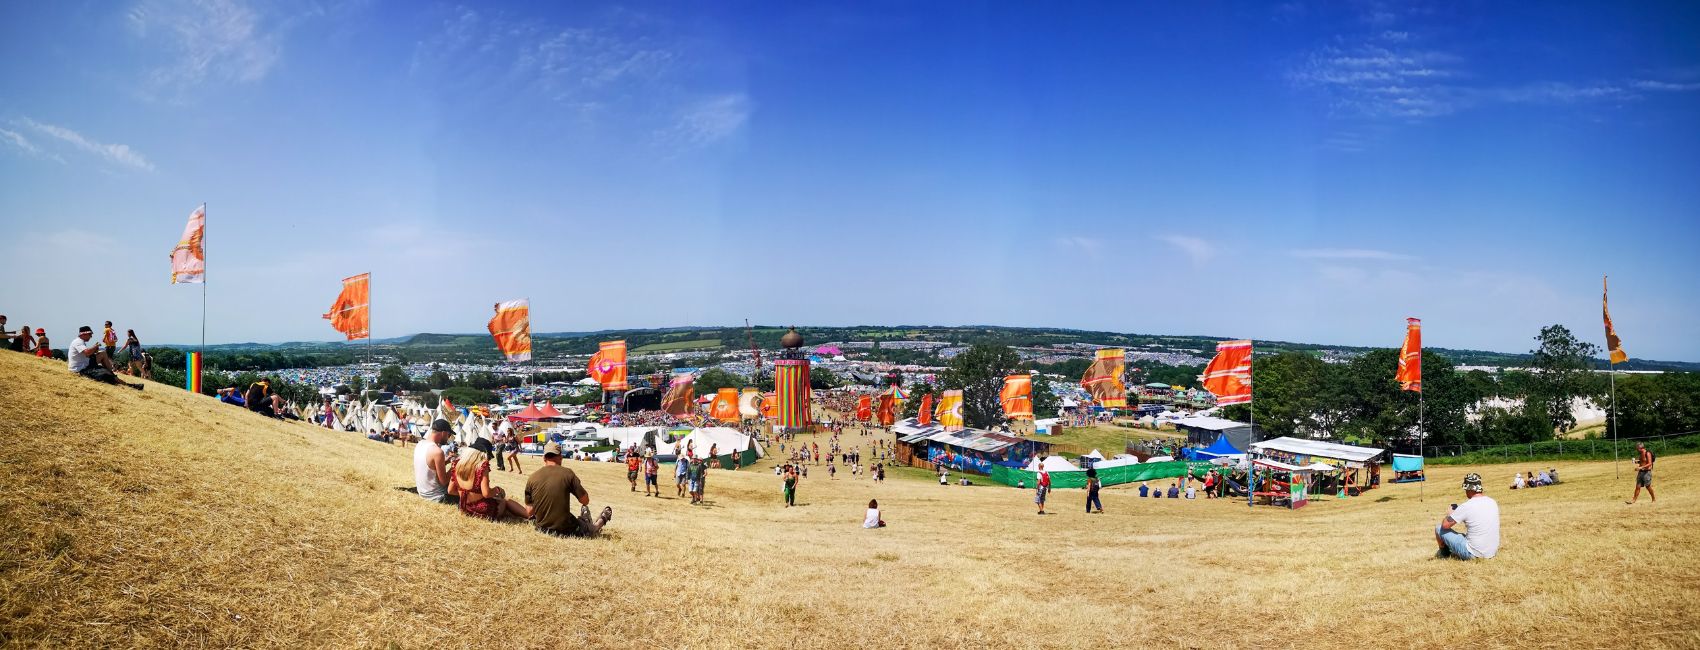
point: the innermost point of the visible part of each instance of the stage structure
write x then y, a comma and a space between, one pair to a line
791, 382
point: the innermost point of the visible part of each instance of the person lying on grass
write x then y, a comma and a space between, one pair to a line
1480, 516
471, 482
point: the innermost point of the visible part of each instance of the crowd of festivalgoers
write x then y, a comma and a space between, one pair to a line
462, 478
86, 356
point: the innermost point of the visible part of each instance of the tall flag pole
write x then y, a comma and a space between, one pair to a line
1410, 377
189, 266
1228, 377
1615, 346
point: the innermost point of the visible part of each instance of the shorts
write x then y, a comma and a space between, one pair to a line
679, 479
1644, 478
695, 486
1039, 495
649, 479
631, 476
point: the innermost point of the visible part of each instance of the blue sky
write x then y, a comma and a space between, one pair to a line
1299, 171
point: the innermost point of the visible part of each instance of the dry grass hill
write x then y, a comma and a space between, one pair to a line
165, 519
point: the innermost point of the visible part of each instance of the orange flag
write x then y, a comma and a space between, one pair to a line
770, 404
351, 314
924, 416
1228, 376
725, 406
950, 410
1103, 379
888, 408
511, 327
1613, 344
1017, 397
608, 365
864, 408
189, 258
1410, 375
680, 396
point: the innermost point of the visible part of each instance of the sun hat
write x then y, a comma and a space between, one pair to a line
1473, 482
552, 448
481, 444
40, 330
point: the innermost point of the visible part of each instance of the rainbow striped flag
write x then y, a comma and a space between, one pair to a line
192, 380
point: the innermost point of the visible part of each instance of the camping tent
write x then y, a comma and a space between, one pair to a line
1217, 449
1053, 464
1407, 468
725, 440
529, 413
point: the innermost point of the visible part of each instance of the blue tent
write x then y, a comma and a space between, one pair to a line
1219, 448
1403, 464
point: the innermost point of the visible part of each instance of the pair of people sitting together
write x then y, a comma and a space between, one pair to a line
1532, 480
549, 492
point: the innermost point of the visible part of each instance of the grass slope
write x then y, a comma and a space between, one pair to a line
166, 519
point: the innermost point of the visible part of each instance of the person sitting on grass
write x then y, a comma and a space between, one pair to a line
873, 520
43, 349
1480, 516
87, 359
1552, 475
1144, 489
1174, 490
471, 481
430, 464
550, 493
1517, 482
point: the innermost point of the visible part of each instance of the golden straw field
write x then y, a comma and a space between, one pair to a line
165, 519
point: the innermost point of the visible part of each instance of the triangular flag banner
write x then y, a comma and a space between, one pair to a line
1017, 397
1613, 344
608, 365
1410, 375
1228, 376
351, 313
950, 410
511, 327
189, 258
1103, 379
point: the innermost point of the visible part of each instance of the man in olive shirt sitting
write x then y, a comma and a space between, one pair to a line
550, 492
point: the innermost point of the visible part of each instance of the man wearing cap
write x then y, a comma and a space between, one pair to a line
87, 359
550, 492
1480, 516
430, 467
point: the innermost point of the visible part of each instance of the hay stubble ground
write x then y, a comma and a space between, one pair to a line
162, 518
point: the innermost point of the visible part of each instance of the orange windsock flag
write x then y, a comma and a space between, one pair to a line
351, 314
725, 406
1017, 397
511, 327
608, 365
864, 408
681, 395
1410, 375
1228, 376
189, 258
888, 408
924, 416
1103, 379
950, 410
1613, 344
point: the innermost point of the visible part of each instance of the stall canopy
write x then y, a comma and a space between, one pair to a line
1319, 449
1218, 449
1053, 464
529, 413
1407, 463
549, 411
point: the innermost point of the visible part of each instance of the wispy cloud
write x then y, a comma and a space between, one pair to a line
710, 120
1350, 254
222, 40
1199, 250
18, 140
120, 154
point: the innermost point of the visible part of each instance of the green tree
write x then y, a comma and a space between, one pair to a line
463, 396
439, 380
1289, 393
912, 406
1562, 367
821, 378
1046, 404
393, 378
714, 379
979, 371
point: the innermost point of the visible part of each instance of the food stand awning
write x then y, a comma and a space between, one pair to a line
1317, 448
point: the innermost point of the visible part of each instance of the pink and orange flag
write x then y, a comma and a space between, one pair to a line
511, 327
608, 365
1103, 379
681, 395
1613, 344
189, 258
351, 314
1228, 376
1017, 397
725, 405
1410, 374
924, 416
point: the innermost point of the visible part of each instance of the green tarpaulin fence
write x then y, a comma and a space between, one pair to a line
1109, 475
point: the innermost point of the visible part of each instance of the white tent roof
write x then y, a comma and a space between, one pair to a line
1209, 423
1096, 454
726, 438
1264, 462
1118, 461
624, 437
1318, 448
1053, 464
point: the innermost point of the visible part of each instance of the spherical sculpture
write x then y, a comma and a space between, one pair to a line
792, 340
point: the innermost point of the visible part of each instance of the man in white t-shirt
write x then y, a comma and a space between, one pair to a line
85, 357
1480, 516
430, 466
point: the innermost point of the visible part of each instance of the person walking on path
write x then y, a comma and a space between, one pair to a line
1092, 485
681, 469
1043, 489
790, 486
1643, 473
651, 474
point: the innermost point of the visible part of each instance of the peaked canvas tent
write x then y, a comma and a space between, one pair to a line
726, 441
1217, 449
529, 413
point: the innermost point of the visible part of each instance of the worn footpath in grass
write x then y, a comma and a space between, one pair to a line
167, 519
